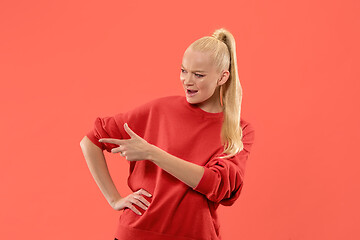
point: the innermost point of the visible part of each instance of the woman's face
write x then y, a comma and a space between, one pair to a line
199, 75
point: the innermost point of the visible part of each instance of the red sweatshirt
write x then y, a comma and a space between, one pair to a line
176, 211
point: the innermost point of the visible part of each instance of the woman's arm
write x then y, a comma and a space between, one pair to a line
187, 172
220, 180
96, 162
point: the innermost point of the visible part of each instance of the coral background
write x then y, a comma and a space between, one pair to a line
63, 63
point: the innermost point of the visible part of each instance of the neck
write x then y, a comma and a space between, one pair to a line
212, 104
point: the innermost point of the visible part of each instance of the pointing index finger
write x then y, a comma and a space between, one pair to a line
112, 140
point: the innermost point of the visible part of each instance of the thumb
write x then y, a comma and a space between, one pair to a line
129, 131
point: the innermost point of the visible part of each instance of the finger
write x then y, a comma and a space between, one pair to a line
118, 149
114, 140
143, 191
132, 207
138, 202
129, 131
141, 198
122, 154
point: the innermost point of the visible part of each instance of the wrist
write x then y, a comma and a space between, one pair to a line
115, 200
153, 150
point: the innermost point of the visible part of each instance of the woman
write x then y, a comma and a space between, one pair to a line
187, 154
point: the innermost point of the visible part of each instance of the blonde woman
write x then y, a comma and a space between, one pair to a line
186, 154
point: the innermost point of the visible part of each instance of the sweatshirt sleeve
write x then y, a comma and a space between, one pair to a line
222, 180
113, 126
106, 127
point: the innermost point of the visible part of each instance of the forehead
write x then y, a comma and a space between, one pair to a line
195, 59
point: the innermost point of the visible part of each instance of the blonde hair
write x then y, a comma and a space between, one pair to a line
222, 49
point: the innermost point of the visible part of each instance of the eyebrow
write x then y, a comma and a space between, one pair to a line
195, 70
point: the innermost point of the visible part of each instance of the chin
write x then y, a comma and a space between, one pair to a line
192, 101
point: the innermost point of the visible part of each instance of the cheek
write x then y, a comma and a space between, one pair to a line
203, 84
182, 77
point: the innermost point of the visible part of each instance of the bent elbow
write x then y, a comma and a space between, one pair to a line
83, 142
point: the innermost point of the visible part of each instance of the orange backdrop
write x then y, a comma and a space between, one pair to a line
63, 63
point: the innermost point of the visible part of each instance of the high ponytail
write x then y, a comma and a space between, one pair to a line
221, 46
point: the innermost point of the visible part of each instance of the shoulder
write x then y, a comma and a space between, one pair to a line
155, 104
248, 130
167, 99
149, 104
166, 102
246, 125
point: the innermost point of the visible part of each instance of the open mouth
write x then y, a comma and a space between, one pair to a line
191, 91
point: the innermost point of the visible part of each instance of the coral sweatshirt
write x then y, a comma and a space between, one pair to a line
176, 211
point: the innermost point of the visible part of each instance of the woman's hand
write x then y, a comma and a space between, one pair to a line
133, 149
136, 198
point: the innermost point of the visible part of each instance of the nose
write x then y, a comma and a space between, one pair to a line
187, 79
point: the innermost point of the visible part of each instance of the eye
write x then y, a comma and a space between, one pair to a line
182, 70
199, 75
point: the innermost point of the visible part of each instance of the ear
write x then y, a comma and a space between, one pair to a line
224, 77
